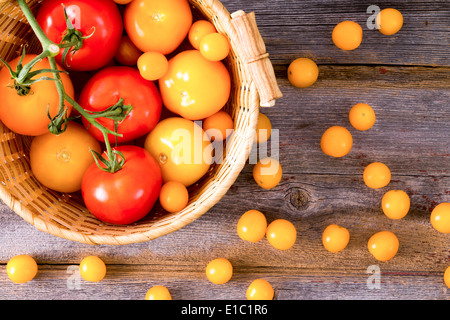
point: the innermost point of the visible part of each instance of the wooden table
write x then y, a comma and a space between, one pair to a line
404, 77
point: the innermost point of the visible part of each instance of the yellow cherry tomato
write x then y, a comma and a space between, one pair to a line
219, 271
174, 196
395, 204
389, 21
215, 46
440, 217
158, 293
260, 289
447, 277
219, 126
383, 245
198, 30
252, 226
362, 117
263, 128
347, 35
336, 141
281, 234
335, 238
127, 54
92, 269
21, 268
267, 173
152, 65
377, 175
183, 152
303, 72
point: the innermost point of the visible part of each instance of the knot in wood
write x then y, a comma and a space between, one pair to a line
299, 199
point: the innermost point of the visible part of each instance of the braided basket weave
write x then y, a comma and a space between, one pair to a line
64, 215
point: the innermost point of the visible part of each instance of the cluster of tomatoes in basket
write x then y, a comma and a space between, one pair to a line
152, 88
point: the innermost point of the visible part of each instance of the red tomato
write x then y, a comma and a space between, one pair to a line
127, 195
101, 18
105, 89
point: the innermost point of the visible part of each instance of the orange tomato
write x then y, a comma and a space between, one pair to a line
174, 196
377, 175
155, 25
21, 268
303, 72
122, 1
252, 226
447, 277
395, 204
336, 141
181, 149
92, 269
440, 217
215, 46
60, 161
27, 114
335, 238
267, 173
362, 117
281, 234
383, 245
194, 87
260, 289
347, 35
152, 65
158, 293
219, 271
389, 21
263, 129
219, 126
127, 54
198, 30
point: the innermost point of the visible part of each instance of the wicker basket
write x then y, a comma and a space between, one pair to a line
64, 215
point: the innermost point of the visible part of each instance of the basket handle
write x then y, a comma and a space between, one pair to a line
257, 58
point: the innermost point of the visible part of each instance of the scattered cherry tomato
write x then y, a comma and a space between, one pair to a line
215, 46
27, 114
152, 65
377, 175
395, 204
347, 35
100, 20
174, 196
60, 161
440, 217
158, 293
155, 25
105, 89
127, 54
194, 87
389, 21
219, 271
263, 129
362, 117
260, 289
383, 245
198, 30
303, 72
281, 234
267, 173
335, 238
92, 269
336, 141
252, 226
447, 277
219, 126
127, 195
21, 268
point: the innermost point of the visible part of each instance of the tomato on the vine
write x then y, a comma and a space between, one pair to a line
125, 196
111, 84
100, 22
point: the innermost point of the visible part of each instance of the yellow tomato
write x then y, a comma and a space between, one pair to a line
155, 25
389, 21
158, 293
303, 72
347, 35
447, 277
263, 128
181, 148
195, 87
362, 117
21, 268
174, 196
127, 54
336, 141
440, 217
92, 269
152, 65
252, 226
335, 238
198, 30
219, 271
281, 234
376, 175
215, 46
267, 173
395, 204
219, 126
383, 245
260, 289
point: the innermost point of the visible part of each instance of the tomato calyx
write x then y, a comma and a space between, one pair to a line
113, 162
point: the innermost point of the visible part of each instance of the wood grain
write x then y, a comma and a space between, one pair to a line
406, 80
